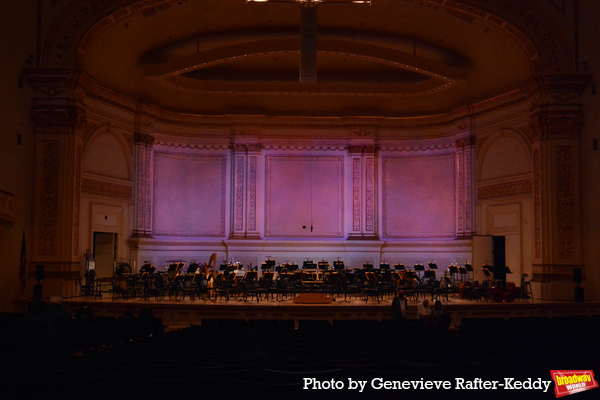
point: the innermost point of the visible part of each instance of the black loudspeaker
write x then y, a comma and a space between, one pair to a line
577, 275
37, 292
579, 296
39, 272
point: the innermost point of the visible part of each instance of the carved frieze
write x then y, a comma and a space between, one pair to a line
515, 188
555, 126
57, 119
108, 189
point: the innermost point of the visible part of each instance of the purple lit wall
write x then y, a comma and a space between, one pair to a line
419, 197
189, 195
293, 183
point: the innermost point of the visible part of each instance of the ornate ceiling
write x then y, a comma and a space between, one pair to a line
391, 58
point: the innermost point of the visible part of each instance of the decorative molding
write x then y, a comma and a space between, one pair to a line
370, 193
468, 189
565, 202
239, 193
300, 146
555, 126
387, 124
356, 194
460, 163
57, 119
252, 174
108, 189
149, 175
418, 147
515, 188
192, 146
49, 201
141, 170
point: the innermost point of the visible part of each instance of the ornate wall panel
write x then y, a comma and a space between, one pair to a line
419, 197
304, 196
189, 195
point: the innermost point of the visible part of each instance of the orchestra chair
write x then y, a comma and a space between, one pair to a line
372, 288
120, 289
186, 288
220, 287
267, 285
250, 287
153, 286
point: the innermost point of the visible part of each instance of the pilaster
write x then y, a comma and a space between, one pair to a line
363, 167
555, 125
465, 162
245, 159
59, 126
144, 174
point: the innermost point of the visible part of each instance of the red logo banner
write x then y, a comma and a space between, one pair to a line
570, 381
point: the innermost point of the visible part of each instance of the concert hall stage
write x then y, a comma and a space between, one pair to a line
184, 313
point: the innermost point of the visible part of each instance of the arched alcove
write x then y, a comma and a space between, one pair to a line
105, 155
504, 155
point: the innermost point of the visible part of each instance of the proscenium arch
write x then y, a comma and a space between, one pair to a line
540, 37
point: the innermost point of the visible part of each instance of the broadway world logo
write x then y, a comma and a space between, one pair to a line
570, 382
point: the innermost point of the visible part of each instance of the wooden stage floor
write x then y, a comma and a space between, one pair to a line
184, 313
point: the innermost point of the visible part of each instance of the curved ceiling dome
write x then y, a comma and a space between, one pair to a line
392, 58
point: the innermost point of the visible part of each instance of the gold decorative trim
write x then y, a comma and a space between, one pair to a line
524, 186
91, 186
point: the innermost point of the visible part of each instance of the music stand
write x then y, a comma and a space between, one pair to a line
323, 264
418, 269
430, 275
469, 268
223, 267
383, 266
399, 267
367, 265
338, 265
432, 265
309, 265
292, 267
462, 271
192, 268
487, 274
